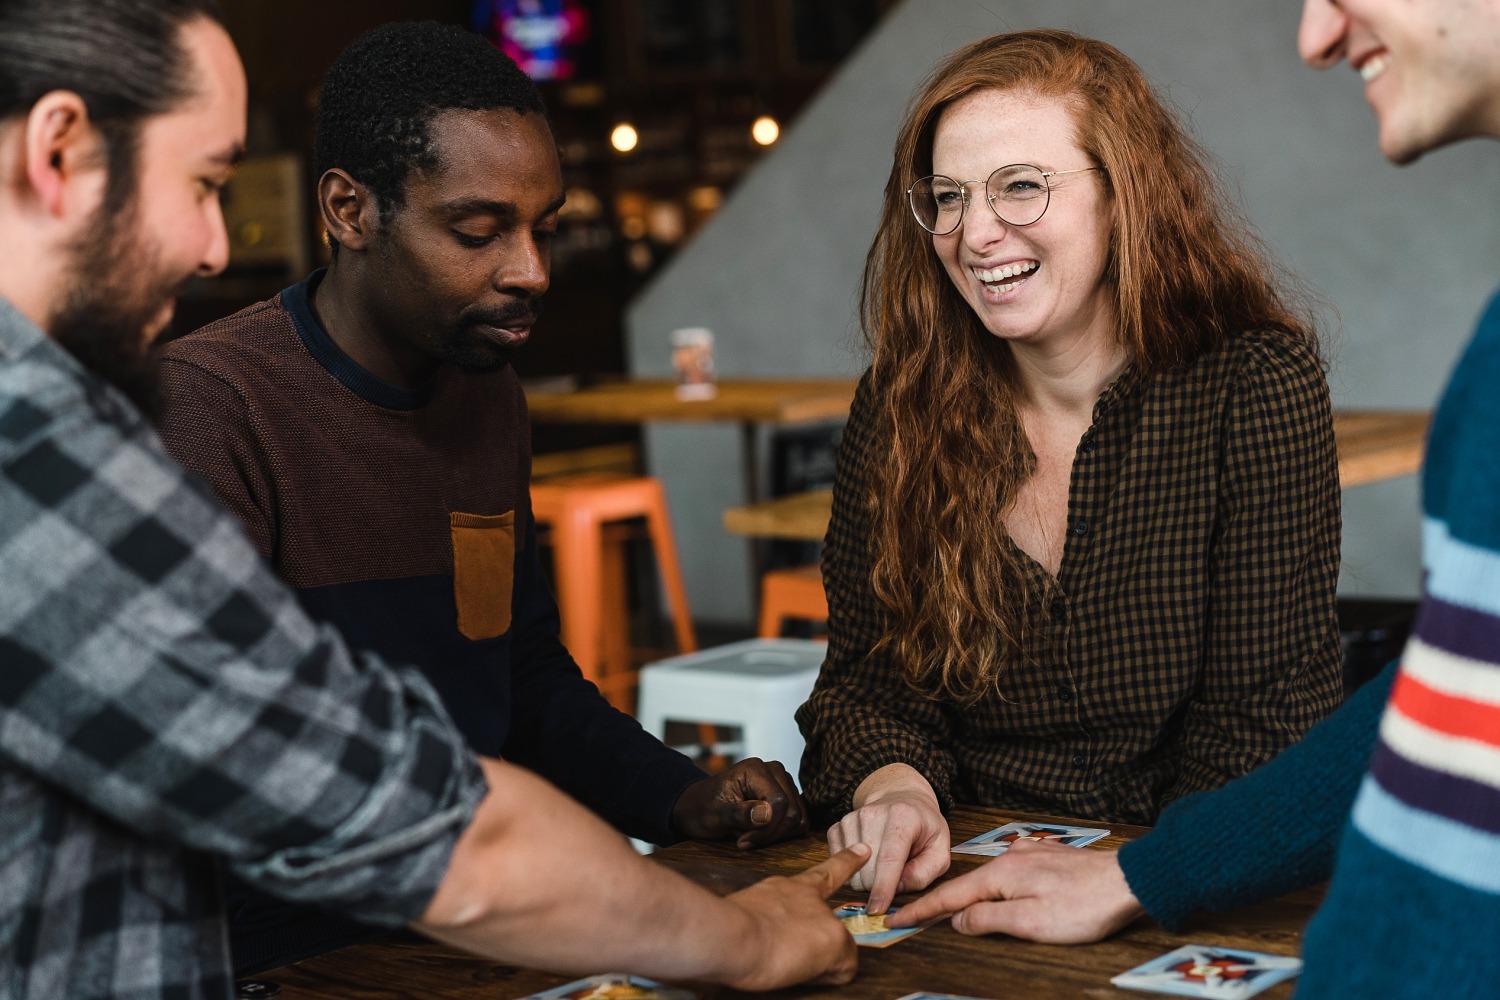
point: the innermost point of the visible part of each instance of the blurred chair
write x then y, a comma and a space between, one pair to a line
586, 519
794, 593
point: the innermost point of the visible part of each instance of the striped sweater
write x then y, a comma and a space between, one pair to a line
1414, 906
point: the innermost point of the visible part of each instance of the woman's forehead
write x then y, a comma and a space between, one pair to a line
997, 126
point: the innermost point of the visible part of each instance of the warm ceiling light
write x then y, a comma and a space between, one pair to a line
624, 137
765, 130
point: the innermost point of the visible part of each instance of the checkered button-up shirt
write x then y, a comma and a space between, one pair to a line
166, 707
1189, 636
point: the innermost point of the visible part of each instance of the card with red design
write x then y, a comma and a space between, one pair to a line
998, 840
1197, 970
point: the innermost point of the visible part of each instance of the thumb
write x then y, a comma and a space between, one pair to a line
744, 814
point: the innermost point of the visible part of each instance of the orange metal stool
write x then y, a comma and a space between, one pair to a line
589, 572
791, 593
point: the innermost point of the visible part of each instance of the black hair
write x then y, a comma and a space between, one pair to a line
122, 57
383, 91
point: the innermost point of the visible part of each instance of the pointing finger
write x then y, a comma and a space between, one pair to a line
827, 876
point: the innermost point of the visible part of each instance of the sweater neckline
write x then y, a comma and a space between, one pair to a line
297, 301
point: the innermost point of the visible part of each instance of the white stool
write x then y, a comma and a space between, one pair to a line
756, 685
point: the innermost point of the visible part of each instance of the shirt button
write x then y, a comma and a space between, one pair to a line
1081, 528
1059, 609
1079, 760
1088, 446
1064, 694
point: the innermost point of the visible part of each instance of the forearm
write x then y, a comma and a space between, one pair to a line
539, 881
862, 715
1267, 833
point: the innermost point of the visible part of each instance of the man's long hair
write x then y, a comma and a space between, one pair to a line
1185, 274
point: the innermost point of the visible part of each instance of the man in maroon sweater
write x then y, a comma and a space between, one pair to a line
366, 427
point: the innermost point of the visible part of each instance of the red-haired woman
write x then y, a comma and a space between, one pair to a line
1086, 518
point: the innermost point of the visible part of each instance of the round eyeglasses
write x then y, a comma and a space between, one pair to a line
1018, 194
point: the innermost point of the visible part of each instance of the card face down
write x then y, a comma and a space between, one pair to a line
613, 986
871, 932
925, 995
998, 840
1197, 970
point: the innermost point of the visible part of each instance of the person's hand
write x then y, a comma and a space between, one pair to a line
796, 938
1037, 890
897, 814
754, 800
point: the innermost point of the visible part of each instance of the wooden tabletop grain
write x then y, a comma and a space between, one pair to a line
1378, 444
937, 959
743, 400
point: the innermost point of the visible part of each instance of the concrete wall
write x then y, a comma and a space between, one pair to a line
1403, 259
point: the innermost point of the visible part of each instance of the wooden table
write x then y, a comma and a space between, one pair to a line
738, 399
801, 517
747, 402
1379, 444
1372, 444
936, 959
744, 401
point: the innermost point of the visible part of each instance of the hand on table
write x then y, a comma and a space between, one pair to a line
796, 938
897, 814
1037, 890
753, 800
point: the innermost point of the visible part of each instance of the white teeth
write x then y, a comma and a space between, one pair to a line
992, 275
1373, 67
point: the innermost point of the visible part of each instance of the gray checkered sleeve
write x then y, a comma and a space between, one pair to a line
156, 673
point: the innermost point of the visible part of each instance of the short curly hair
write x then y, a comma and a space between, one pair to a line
383, 91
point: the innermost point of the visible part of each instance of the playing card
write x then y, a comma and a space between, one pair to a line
613, 986
998, 840
871, 932
925, 995
1197, 970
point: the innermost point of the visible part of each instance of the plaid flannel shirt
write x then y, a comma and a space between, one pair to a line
166, 706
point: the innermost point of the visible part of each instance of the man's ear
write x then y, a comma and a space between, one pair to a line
348, 208
63, 147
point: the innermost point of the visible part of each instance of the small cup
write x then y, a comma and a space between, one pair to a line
693, 359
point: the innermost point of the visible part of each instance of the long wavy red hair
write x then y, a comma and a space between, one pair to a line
1185, 272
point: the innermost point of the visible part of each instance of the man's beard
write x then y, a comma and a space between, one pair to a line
470, 351
118, 293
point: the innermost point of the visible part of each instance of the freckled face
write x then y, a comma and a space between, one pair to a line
461, 267
1037, 284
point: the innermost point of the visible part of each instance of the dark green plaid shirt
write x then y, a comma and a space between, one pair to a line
1189, 636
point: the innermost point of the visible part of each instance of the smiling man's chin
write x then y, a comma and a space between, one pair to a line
112, 337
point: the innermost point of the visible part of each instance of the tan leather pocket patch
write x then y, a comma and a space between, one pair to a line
484, 570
